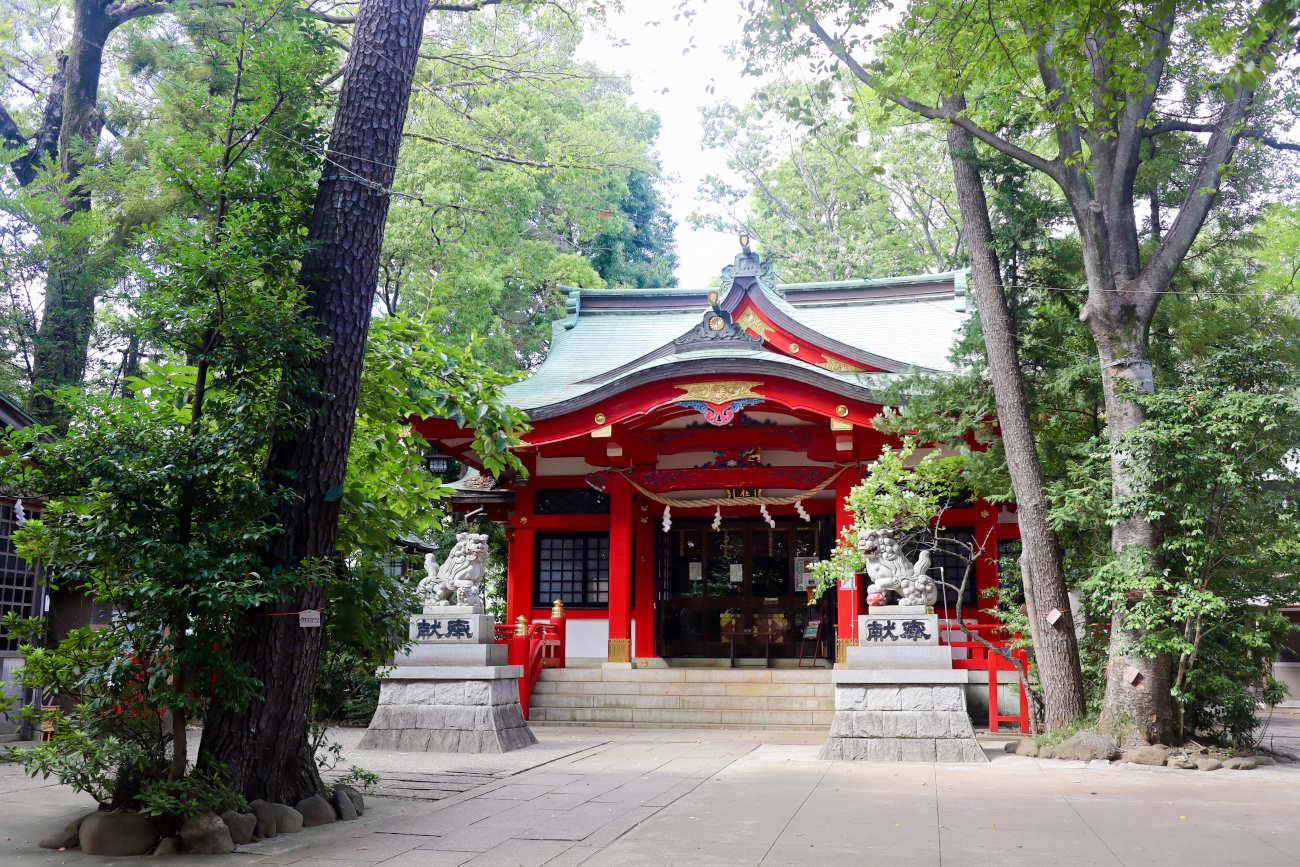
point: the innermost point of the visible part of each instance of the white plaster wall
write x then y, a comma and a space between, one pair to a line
586, 639
1289, 674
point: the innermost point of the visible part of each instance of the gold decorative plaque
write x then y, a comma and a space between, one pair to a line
834, 365
842, 411
718, 393
750, 321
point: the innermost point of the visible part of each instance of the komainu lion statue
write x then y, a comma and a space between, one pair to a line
891, 572
458, 581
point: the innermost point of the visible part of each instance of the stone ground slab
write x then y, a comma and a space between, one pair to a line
668, 797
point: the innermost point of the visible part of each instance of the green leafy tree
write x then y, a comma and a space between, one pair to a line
831, 192
1105, 87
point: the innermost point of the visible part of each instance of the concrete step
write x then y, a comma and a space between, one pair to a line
721, 702
682, 717
689, 697
690, 675
764, 690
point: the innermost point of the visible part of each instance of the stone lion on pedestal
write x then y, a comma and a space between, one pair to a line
891, 572
459, 580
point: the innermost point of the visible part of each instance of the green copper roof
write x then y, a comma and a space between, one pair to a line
909, 322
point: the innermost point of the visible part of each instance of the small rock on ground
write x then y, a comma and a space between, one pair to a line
343, 806
1180, 762
1208, 764
358, 800
169, 846
105, 833
1085, 745
287, 819
1239, 763
1147, 755
206, 835
242, 826
1025, 747
65, 838
1046, 751
1263, 761
315, 811
264, 811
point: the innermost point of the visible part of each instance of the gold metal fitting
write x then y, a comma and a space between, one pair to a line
557, 609
841, 410
794, 347
521, 625
600, 418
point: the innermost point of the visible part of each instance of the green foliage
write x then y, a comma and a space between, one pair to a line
200, 791
533, 171
831, 192
1214, 463
86, 759
896, 494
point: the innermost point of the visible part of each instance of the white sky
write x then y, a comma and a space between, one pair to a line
673, 85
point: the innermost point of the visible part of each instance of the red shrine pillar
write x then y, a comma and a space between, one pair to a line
643, 584
849, 594
620, 570
520, 556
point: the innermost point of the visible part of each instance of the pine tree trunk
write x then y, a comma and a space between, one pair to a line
265, 748
59, 351
1056, 648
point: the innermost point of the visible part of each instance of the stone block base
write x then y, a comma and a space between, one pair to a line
453, 716
909, 721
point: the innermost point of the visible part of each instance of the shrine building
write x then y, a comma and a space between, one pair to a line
690, 455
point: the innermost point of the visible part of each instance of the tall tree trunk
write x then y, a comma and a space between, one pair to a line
265, 747
1138, 704
1056, 648
59, 353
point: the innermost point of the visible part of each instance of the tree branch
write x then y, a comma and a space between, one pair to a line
991, 139
507, 158
44, 146
1202, 191
1192, 126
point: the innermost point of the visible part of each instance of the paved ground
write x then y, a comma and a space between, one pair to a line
666, 797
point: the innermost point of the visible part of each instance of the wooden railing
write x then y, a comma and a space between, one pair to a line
980, 658
533, 646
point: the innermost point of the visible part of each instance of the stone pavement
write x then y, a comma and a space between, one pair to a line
666, 797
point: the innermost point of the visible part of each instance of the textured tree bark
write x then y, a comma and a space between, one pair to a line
59, 353
1138, 704
1055, 647
265, 747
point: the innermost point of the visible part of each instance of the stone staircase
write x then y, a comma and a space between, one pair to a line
685, 698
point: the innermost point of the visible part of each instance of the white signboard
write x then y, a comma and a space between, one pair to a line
737, 573
308, 619
696, 570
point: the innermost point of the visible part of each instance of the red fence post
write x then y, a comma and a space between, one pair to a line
557, 620
518, 655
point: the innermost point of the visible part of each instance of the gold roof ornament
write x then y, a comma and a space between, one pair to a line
718, 393
751, 321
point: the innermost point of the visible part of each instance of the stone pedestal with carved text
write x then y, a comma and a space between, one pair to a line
453, 692
897, 697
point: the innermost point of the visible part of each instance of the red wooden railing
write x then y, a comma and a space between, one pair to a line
981, 659
533, 646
